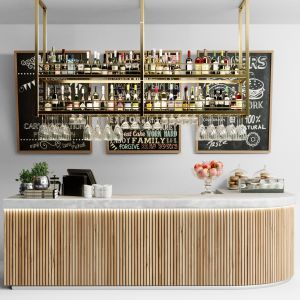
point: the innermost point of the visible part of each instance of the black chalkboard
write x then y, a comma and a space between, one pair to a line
147, 141
27, 123
258, 123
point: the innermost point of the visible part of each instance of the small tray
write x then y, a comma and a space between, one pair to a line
253, 191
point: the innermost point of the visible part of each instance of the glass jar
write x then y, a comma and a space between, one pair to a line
262, 174
234, 177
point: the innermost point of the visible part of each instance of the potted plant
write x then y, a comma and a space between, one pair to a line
40, 172
26, 179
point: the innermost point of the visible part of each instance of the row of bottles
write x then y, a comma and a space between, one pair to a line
126, 97
128, 62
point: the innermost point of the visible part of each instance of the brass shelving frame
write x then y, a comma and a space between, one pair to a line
143, 78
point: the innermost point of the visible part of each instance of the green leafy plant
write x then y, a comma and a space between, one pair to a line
25, 176
40, 169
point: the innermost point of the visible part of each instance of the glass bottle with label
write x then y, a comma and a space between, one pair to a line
214, 64
177, 66
159, 64
54, 99
95, 67
87, 65
189, 64
192, 105
64, 66
153, 62
156, 102
82, 101
127, 98
233, 98
120, 103
115, 65
76, 102
46, 66
111, 101
163, 99
71, 65
149, 100
57, 65
93, 101
69, 104
178, 102
171, 102
220, 99
227, 65
135, 101
122, 63
198, 65
80, 66
48, 103
104, 65
102, 101
62, 102
185, 103
226, 99
207, 97
205, 63
128, 62
199, 104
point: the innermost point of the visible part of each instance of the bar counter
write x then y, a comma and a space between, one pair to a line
228, 239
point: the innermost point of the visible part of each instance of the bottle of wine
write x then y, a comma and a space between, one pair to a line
214, 64
192, 99
128, 63
153, 62
178, 102
171, 102
189, 64
185, 103
87, 65
57, 65
127, 98
198, 65
111, 101
120, 104
95, 67
207, 97
46, 66
80, 66
102, 101
64, 66
163, 99
149, 100
71, 65
69, 104
206, 63
82, 101
135, 100
227, 103
227, 65
156, 102
122, 63
48, 103
54, 99
76, 102
62, 102
233, 99
199, 104
159, 63
115, 65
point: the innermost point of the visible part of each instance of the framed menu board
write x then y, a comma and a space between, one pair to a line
141, 141
258, 123
27, 123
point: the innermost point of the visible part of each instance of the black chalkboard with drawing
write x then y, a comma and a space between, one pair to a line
258, 123
27, 123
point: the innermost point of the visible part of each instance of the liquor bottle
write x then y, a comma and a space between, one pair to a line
192, 99
234, 67
64, 66
206, 63
122, 64
76, 102
207, 97
109, 63
57, 65
111, 101
239, 101
93, 101
214, 64
95, 67
71, 65
82, 101
159, 63
178, 102
185, 103
156, 102
171, 102
135, 66
54, 100
168, 68
163, 100
149, 100
48, 104
62, 102
102, 101
233, 99
227, 103
135, 100
198, 65
87, 65
128, 63
189, 64
69, 103
153, 62
52, 60
199, 98
127, 98
80, 66
115, 65
46, 66
120, 104
177, 67
216, 99
104, 65
227, 67
220, 99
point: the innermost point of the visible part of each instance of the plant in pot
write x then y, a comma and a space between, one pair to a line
40, 172
26, 179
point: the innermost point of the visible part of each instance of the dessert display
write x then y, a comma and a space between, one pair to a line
235, 176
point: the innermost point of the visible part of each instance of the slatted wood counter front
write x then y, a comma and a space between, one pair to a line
148, 247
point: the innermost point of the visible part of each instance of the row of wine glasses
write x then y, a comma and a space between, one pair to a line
54, 130
216, 130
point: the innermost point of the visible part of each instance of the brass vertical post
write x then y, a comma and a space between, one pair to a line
142, 88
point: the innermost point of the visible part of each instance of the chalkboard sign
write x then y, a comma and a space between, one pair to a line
27, 123
258, 123
147, 141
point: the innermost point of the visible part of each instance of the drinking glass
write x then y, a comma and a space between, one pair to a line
164, 122
125, 124
108, 133
157, 125
87, 133
147, 125
221, 130
98, 136
118, 133
211, 131
172, 121
135, 125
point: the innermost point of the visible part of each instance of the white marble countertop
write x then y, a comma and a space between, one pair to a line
229, 199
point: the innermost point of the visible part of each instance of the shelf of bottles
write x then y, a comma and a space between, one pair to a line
212, 83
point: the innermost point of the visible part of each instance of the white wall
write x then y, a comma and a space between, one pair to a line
158, 173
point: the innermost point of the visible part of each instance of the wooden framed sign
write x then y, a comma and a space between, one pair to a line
258, 123
27, 123
143, 141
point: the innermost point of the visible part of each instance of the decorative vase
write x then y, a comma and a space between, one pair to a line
41, 183
208, 186
25, 186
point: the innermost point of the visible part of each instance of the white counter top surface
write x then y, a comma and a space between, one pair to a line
229, 199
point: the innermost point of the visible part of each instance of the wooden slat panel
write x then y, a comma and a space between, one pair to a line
148, 247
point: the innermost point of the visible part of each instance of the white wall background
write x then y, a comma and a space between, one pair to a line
158, 173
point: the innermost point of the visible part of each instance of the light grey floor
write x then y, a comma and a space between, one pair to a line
287, 291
